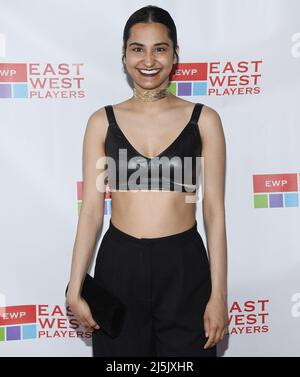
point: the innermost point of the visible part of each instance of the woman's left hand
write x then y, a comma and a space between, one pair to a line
215, 321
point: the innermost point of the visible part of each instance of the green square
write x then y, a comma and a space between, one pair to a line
79, 204
173, 88
261, 201
2, 334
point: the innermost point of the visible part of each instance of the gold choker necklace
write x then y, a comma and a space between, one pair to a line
148, 96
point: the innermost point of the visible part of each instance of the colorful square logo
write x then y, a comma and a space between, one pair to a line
189, 79
276, 190
18, 323
13, 80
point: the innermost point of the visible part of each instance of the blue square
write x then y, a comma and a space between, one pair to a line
20, 90
291, 200
200, 88
28, 331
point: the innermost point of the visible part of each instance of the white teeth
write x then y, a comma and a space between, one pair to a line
149, 72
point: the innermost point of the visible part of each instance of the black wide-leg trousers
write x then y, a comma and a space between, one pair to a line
165, 283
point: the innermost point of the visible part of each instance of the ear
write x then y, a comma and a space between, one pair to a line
175, 57
123, 55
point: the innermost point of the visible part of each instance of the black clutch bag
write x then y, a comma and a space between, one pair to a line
107, 309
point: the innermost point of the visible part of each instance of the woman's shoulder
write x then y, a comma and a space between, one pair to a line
97, 121
208, 113
210, 124
189, 105
98, 113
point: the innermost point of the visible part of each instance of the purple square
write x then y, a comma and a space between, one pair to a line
276, 200
184, 88
13, 333
5, 91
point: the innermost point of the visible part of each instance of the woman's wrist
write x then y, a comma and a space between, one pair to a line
72, 297
219, 295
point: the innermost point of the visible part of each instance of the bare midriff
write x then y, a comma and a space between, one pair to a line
152, 214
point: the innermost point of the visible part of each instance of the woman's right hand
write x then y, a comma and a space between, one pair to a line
79, 307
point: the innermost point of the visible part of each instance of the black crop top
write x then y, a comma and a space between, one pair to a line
175, 169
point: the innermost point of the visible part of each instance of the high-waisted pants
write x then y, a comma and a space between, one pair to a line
165, 283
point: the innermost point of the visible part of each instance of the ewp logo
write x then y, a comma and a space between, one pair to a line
189, 79
218, 78
13, 80
276, 190
39, 321
41, 80
18, 322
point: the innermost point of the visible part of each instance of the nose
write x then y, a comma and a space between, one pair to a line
149, 59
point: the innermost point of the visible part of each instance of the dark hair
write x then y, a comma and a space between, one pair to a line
148, 14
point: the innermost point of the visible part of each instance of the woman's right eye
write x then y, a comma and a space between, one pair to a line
136, 48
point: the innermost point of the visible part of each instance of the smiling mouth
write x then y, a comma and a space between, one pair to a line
149, 72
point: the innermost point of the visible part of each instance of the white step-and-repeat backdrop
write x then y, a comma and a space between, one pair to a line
59, 62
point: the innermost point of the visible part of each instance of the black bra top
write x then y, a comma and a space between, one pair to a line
174, 169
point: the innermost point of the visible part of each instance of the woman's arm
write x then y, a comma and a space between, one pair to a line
92, 209
214, 160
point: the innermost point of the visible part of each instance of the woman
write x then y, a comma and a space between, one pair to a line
152, 255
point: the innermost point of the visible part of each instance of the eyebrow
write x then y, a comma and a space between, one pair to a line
156, 44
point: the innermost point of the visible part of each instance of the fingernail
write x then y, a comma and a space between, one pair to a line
97, 327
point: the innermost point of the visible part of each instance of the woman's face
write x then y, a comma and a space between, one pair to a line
149, 48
